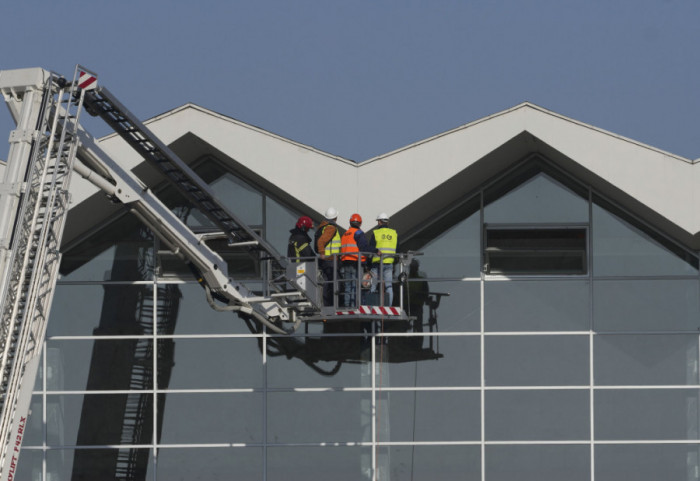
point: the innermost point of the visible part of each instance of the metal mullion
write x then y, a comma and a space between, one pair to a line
591, 341
482, 338
265, 394
154, 381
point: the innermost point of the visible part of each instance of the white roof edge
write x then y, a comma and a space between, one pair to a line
239, 123
543, 110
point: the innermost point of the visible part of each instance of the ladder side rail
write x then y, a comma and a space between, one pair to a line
146, 143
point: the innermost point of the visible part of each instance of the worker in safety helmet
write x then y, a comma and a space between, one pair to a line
299, 245
386, 241
353, 244
327, 245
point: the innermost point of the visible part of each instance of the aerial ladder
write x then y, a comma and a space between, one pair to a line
48, 146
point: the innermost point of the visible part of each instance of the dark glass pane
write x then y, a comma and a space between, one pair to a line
99, 464
526, 197
187, 311
210, 363
320, 417
431, 463
537, 415
429, 361
538, 463
652, 462
121, 251
445, 306
29, 466
298, 362
625, 248
177, 464
34, 426
537, 360
101, 310
211, 418
649, 359
337, 463
646, 305
537, 306
451, 245
99, 419
646, 414
100, 364
428, 416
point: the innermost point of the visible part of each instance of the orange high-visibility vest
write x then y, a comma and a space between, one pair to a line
348, 246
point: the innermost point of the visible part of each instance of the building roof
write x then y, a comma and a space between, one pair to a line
414, 182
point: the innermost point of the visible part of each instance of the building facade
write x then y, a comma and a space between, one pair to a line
556, 334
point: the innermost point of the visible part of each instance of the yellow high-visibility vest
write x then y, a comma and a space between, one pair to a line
386, 240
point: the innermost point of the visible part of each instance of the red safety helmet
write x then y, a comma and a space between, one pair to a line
304, 222
356, 218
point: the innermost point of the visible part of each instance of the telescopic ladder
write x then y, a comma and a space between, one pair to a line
33, 255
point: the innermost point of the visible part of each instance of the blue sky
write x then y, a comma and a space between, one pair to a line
361, 78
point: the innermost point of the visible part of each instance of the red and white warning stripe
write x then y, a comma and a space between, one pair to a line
87, 81
376, 310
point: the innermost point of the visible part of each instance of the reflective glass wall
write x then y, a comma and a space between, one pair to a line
590, 376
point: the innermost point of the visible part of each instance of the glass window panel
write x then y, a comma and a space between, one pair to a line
233, 193
210, 363
100, 364
646, 305
99, 419
431, 463
318, 362
94, 464
537, 415
650, 359
620, 249
646, 414
539, 463
451, 246
651, 462
278, 221
428, 416
428, 361
220, 417
321, 417
121, 251
301, 463
536, 306
34, 426
446, 306
194, 315
539, 199
101, 310
177, 464
537, 360
30, 465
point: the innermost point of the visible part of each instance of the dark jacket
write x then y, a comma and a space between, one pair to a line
299, 245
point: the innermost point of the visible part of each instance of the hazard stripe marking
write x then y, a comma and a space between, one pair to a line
386, 311
87, 81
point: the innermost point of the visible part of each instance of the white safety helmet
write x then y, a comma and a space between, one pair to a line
331, 214
383, 217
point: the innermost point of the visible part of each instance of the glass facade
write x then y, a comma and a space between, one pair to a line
589, 376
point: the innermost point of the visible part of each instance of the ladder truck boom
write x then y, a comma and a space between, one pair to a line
48, 145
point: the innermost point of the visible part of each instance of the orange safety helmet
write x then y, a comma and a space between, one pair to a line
304, 223
355, 218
